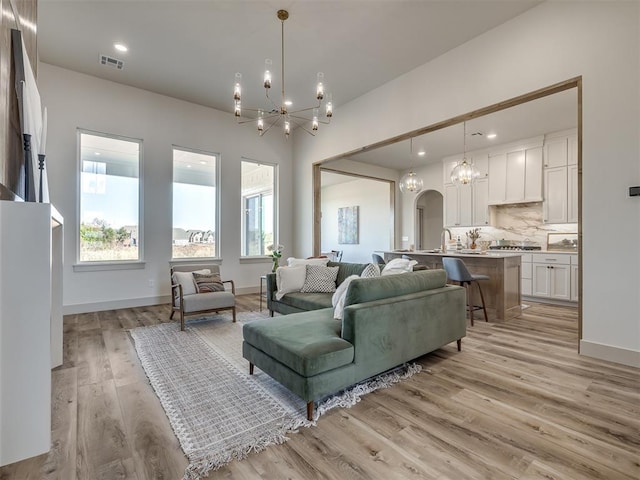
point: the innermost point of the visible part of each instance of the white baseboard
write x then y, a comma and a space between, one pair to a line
610, 353
115, 304
133, 302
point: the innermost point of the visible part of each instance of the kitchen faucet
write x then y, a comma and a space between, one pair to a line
442, 244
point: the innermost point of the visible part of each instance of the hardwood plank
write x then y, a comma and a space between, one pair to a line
156, 450
123, 360
92, 358
101, 434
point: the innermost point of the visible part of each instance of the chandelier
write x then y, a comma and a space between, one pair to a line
274, 114
464, 173
411, 182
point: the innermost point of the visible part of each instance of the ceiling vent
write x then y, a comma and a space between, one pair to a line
111, 62
477, 134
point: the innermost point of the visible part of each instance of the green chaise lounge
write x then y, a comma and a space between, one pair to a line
387, 321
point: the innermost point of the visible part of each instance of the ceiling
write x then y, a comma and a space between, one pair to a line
191, 50
545, 115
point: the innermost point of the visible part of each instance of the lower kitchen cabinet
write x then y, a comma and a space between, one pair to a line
549, 275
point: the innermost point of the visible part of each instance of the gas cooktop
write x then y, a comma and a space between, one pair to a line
515, 247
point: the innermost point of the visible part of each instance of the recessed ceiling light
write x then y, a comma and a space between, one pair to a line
491, 136
120, 47
202, 162
97, 153
288, 103
422, 153
188, 166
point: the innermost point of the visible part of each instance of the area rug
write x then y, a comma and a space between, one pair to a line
216, 409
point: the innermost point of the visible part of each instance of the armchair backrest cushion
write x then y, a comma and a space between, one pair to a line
183, 275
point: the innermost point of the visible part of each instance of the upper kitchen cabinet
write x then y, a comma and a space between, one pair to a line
561, 149
561, 177
515, 175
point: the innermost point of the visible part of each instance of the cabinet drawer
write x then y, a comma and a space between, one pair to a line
558, 258
526, 271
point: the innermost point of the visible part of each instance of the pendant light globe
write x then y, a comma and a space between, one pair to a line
411, 183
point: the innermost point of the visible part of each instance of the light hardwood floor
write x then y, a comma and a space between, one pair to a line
516, 403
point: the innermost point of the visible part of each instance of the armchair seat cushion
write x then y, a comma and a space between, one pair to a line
308, 343
207, 301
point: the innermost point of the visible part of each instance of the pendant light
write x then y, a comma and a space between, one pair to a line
464, 173
410, 182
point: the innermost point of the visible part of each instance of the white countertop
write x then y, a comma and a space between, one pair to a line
456, 253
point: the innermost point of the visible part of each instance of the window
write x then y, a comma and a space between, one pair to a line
109, 198
258, 207
195, 205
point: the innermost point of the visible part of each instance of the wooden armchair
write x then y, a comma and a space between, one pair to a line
198, 289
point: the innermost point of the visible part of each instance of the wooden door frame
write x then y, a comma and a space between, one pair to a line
575, 82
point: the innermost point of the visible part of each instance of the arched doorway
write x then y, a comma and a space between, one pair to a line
429, 220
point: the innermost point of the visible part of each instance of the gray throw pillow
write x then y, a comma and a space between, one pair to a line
208, 282
320, 279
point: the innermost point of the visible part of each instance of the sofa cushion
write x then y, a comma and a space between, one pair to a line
369, 289
320, 279
289, 279
186, 280
308, 343
307, 301
347, 269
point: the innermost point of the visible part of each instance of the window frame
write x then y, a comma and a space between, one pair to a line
276, 208
218, 159
84, 265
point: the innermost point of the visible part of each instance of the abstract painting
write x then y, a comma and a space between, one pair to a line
348, 225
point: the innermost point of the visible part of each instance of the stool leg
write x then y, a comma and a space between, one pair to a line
484, 308
469, 306
250, 368
310, 411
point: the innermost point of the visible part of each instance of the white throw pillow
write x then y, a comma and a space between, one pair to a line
398, 265
294, 262
320, 279
290, 279
185, 279
371, 270
338, 298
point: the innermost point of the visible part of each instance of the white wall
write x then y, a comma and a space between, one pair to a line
552, 42
372, 198
79, 101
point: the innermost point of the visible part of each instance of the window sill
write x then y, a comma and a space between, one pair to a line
256, 259
103, 266
195, 261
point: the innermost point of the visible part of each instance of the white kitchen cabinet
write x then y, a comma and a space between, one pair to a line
574, 283
497, 178
555, 195
551, 276
458, 205
516, 177
481, 164
448, 164
480, 190
555, 152
526, 266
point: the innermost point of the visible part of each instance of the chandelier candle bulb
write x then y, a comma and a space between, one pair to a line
320, 87
267, 73
237, 89
314, 122
237, 110
287, 128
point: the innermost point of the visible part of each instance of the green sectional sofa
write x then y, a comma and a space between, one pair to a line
387, 321
301, 302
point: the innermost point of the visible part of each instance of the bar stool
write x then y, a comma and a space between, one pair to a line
457, 271
377, 259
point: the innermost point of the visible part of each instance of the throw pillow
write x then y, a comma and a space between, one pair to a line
338, 298
371, 270
398, 265
208, 282
186, 280
320, 279
295, 262
289, 279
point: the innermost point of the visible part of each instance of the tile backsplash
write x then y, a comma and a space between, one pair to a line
518, 222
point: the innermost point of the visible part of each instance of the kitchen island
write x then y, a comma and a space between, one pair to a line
502, 292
